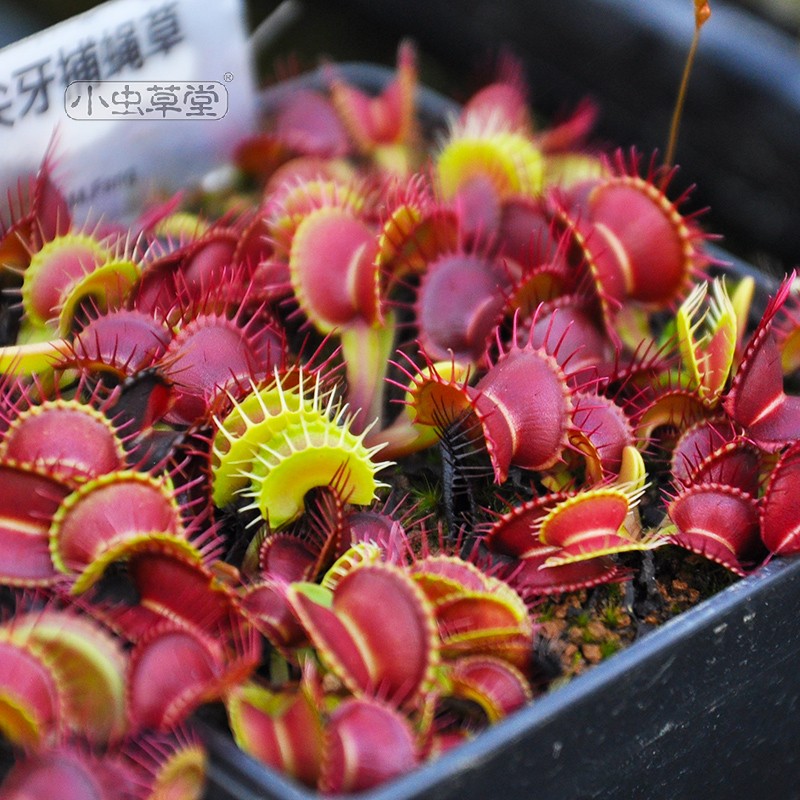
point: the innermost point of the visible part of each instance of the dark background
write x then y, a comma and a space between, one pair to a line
740, 136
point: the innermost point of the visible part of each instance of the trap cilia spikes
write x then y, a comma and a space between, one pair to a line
705, 441
357, 555
278, 443
171, 765
34, 214
414, 230
708, 357
576, 527
256, 418
308, 453
72, 434
428, 392
67, 270
524, 403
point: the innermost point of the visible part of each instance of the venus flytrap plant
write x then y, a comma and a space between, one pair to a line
168, 765
24, 531
396, 665
282, 726
787, 332
720, 522
307, 455
150, 768
756, 399
384, 127
36, 213
433, 397
123, 342
159, 696
277, 444
592, 523
212, 353
335, 752
459, 302
32, 704
414, 229
71, 439
76, 771
64, 702
71, 275
778, 516
463, 634
715, 509
524, 387
601, 433
564, 538
186, 265
66, 272
203, 511
708, 357
486, 160
337, 285
89, 664
258, 417
322, 231
118, 514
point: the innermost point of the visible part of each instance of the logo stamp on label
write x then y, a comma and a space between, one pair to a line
161, 100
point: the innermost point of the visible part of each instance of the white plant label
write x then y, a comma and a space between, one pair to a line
134, 99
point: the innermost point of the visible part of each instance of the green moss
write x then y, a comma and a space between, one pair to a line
427, 497
587, 637
582, 619
611, 615
547, 613
609, 647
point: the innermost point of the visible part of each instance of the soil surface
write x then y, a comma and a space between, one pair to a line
580, 629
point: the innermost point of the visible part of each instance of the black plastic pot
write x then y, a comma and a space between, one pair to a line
706, 706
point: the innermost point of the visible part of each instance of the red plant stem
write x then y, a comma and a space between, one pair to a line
702, 13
